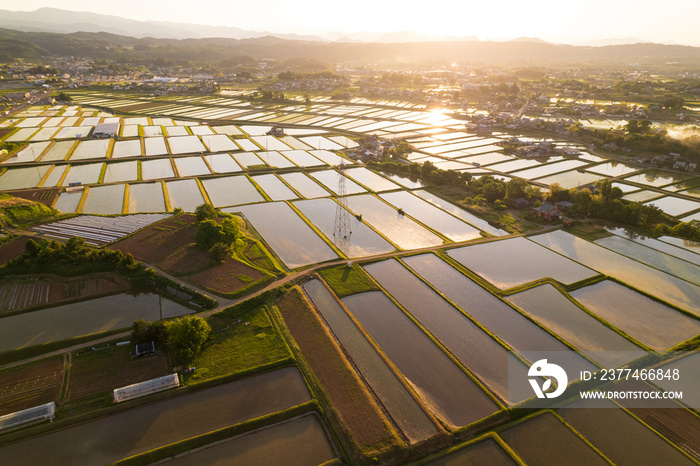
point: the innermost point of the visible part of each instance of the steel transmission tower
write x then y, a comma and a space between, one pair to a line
341, 229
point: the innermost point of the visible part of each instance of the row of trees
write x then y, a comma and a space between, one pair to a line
184, 338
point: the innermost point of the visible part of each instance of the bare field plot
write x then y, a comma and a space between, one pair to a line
545, 440
619, 436
301, 441
31, 385
447, 390
102, 371
166, 245
650, 322
662, 285
347, 393
396, 399
152, 426
517, 261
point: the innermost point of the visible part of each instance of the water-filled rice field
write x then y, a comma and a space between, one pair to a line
487, 452
222, 163
302, 158
104, 200
517, 261
85, 174
477, 351
122, 171
619, 436
94, 149
185, 145
399, 229
191, 166
304, 185
662, 285
435, 218
231, 190
294, 242
460, 213
22, 178
156, 169
448, 391
146, 197
363, 241
184, 194
549, 307
393, 395
659, 260
83, 318
275, 159
650, 322
130, 148
155, 146
301, 440
493, 314
546, 440
274, 187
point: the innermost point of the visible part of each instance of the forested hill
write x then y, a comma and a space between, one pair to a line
18, 44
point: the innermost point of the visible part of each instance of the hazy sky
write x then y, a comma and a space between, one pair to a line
554, 20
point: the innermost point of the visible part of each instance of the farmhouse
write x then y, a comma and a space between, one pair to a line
548, 211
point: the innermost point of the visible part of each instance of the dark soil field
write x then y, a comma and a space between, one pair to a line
167, 244
31, 385
347, 393
226, 277
142, 429
546, 440
12, 249
42, 196
94, 372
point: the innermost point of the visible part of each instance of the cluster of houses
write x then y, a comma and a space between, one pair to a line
673, 160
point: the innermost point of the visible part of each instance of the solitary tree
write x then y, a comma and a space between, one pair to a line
186, 337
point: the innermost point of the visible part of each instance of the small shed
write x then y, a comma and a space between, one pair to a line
106, 130
143, 349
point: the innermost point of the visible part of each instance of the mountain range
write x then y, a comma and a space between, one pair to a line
64, 21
